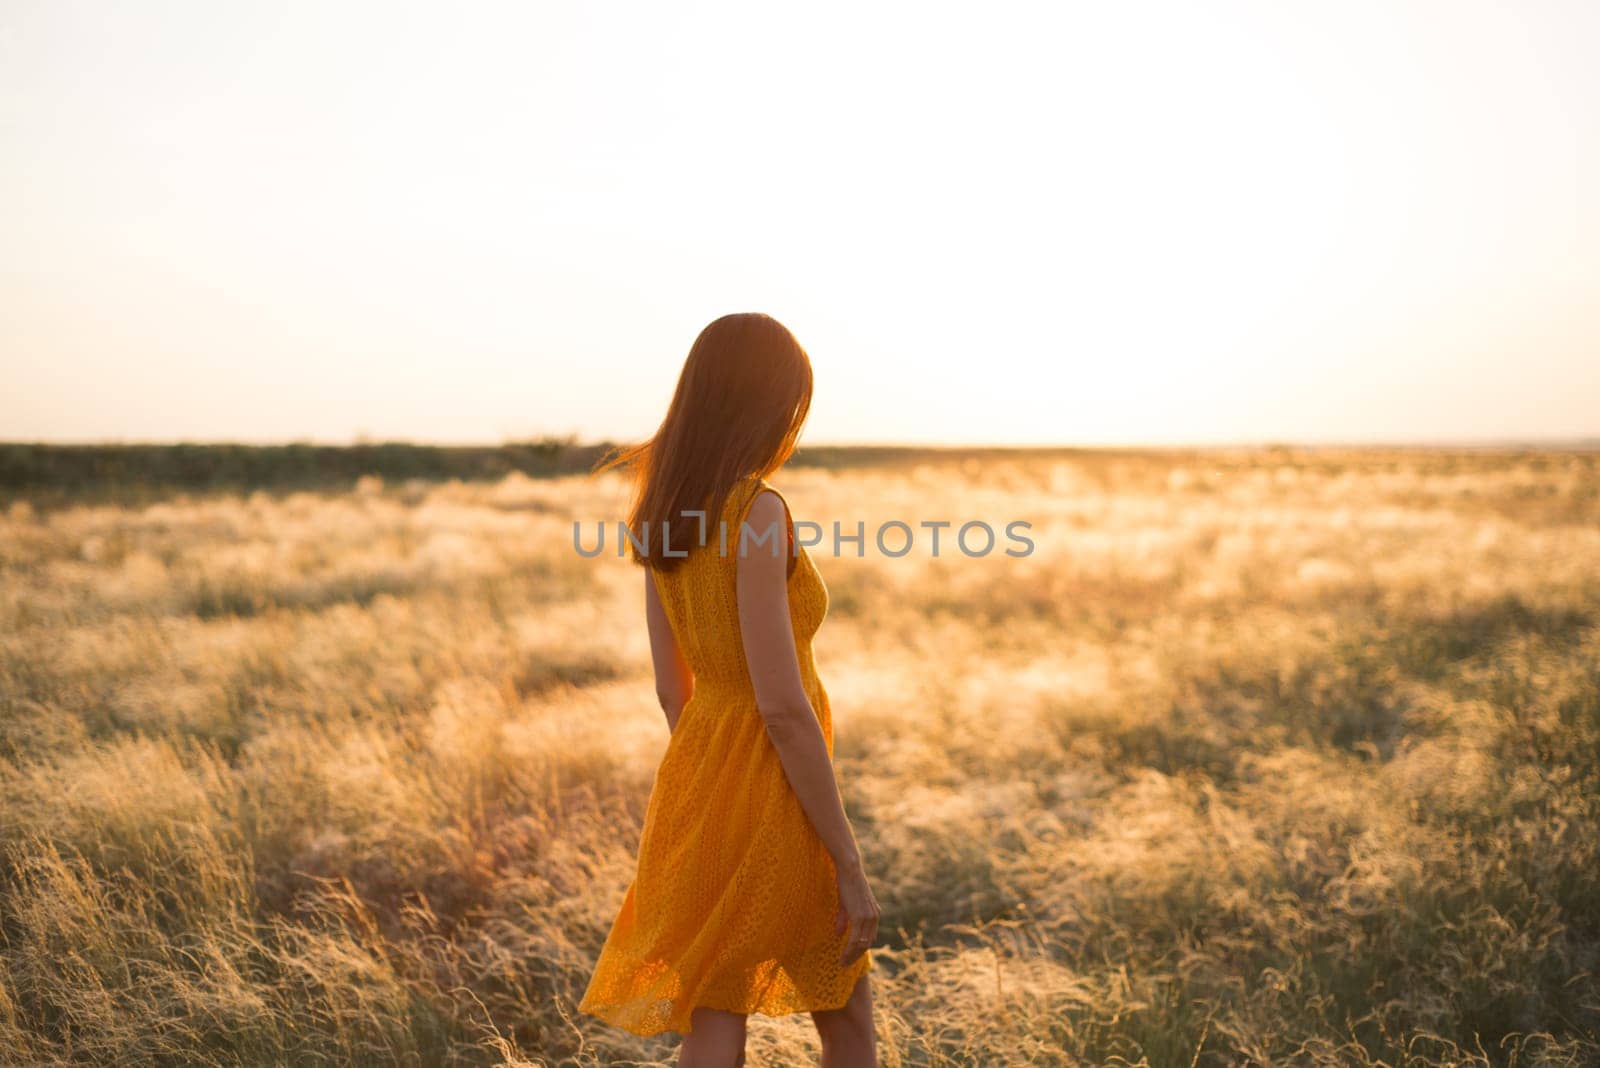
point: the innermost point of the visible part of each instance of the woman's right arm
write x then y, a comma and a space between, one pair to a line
674, 680
763, 599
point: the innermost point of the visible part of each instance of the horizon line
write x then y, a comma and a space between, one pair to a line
1562, 443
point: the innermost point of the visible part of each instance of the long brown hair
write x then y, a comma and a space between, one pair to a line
741, 400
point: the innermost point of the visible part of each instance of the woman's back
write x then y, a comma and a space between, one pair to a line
700, 601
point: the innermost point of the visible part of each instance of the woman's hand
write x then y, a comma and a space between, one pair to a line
858, 913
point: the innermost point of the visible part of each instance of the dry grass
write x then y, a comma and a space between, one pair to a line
1261, 758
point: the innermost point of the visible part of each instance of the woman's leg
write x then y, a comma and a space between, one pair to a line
715, 1040
848, 1037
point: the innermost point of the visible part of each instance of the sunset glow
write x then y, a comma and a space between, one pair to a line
1152, 222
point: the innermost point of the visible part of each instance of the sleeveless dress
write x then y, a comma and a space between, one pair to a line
733, 902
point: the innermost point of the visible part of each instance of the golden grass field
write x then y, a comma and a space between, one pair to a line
1271, 757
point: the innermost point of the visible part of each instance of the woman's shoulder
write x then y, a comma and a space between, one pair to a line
749, 489
754, 499
743, 491
764, 519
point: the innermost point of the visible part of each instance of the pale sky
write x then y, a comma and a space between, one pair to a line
1057, 223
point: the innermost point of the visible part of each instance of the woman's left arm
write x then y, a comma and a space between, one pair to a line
674, 680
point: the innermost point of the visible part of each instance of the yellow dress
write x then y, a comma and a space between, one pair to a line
733, 902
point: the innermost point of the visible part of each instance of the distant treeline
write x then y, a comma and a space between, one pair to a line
229, 466
126, 473
134, 470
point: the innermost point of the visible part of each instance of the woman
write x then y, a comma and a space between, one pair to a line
750, 894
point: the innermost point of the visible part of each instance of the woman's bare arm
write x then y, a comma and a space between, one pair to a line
792, 724
674, 680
